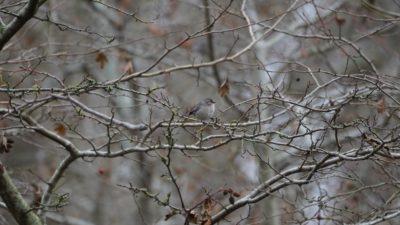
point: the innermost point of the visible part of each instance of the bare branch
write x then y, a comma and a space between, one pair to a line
26, 13
14, 201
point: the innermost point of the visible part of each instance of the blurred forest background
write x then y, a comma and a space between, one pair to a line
94, 96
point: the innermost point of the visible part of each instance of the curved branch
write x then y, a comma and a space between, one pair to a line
16, 24
14, 201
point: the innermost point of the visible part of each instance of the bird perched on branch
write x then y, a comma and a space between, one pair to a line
203, 110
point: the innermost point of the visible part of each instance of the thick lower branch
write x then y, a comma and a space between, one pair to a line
14, 201
15, 25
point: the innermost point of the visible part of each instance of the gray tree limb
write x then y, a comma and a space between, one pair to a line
14, 201
16, 24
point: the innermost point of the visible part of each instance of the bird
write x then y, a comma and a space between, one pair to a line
203, 110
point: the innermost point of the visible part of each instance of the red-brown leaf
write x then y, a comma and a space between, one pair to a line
155, 30
101, 58
340, 20
223, 89
60, 129
380, 105
128, 68
236, 194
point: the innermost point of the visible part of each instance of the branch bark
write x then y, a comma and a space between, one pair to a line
14, 201
16, 24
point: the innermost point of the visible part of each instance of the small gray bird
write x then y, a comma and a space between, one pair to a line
204, 110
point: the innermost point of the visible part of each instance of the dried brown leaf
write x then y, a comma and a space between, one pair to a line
60, 129
340, 20
223, 89
192, 218
101, 58
37, 195
128, 68
236, 194
207, 206
207, 221
381, 106
155, 30
227, 191
187, 44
